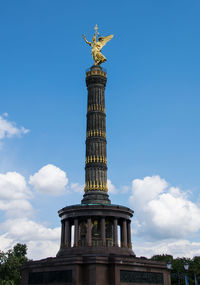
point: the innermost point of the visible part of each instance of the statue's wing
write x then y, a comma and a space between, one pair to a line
104, 40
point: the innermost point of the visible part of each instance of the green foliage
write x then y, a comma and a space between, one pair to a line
178, 272
163, 257
10, 264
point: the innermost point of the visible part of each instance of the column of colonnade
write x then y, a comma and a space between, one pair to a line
103, 231
125, 233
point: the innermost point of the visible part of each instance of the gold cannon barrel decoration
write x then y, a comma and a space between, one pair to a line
96, 133
97, 159
95, 185
96, 107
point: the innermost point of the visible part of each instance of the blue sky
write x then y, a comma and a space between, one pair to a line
152, 105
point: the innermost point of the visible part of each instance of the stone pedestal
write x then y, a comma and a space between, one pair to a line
95, 270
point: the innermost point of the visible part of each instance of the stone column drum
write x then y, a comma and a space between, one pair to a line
96, 154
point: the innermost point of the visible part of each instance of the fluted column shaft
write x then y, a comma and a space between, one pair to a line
96, 153
103, 231
67, 234
129, 234
62, 234
76, 232
89, 232
96, 157
115, 232
124, 234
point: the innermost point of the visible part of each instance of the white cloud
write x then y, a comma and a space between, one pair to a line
161, 211
111, 188
41, 241
125, 189
49, 180
42, 249
177, 248
164, 215
16, 208
5, 242
37, 249
147, 189
13, 186
14, 194
10, 129
24, 229
76, 187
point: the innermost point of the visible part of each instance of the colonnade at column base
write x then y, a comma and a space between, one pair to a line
95, 228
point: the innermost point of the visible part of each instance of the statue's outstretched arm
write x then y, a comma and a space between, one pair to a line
89, 43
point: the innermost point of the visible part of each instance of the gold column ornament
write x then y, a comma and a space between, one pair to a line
93, 158
96, 45
99, 133
95, 185
96, 107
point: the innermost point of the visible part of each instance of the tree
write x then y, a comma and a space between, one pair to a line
163, 257
195, 268
10, 264
178, 272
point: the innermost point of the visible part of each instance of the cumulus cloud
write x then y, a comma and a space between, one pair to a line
16, 207
13, 186
164, 215
177, 248
42, 241
111, 188
125, 189
10, 129
76, 187
162, 211
42, 249
37, 249
24, 229
5, 242
49, 180
14, 194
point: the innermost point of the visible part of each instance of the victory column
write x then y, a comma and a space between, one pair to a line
96, 155
95, 246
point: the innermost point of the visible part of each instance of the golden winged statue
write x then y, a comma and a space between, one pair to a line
96, 45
